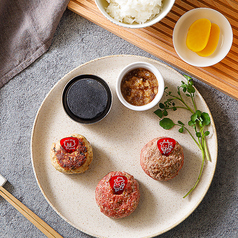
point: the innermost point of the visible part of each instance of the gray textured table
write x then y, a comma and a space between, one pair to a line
77, 41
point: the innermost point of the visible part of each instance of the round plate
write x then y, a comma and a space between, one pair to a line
117, 141
181, 30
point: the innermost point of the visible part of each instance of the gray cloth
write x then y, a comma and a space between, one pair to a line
26, 30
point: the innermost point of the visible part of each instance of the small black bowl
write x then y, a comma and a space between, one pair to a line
87, 99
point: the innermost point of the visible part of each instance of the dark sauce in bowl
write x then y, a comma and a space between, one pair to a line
87, 99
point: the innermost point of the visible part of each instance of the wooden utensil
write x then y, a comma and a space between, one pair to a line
33, 218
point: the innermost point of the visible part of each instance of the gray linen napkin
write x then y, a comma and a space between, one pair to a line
26, 31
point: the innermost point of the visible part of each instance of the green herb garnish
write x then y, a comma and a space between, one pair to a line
198, 121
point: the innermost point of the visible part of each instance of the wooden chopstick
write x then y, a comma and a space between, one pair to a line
32, 217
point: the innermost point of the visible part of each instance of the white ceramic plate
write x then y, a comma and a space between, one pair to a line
181, 30
117, 141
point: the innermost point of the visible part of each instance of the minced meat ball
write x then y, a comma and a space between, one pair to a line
162, 158
72, 154
117, 194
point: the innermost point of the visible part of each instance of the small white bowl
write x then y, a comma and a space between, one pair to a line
152, 69
181, 30
167, 5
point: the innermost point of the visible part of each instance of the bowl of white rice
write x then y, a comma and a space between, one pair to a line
135, 13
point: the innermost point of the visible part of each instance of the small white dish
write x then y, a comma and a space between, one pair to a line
180, 35
152, 69
166, 7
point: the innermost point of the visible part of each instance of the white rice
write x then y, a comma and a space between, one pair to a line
130, 11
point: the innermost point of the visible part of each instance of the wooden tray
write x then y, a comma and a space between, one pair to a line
157, 39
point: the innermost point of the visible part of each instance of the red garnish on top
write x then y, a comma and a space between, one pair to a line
70, 144
118, 184
166, 145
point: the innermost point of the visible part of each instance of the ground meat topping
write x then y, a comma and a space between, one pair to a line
117, 205
159, 166
166, 167
72, 160
139, 87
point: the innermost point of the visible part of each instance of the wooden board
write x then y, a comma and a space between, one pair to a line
157, 39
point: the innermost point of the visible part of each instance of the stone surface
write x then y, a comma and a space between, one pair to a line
77, 41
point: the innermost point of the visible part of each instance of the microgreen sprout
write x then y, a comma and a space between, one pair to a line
198, 120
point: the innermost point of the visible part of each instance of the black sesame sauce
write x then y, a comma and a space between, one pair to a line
87, 98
